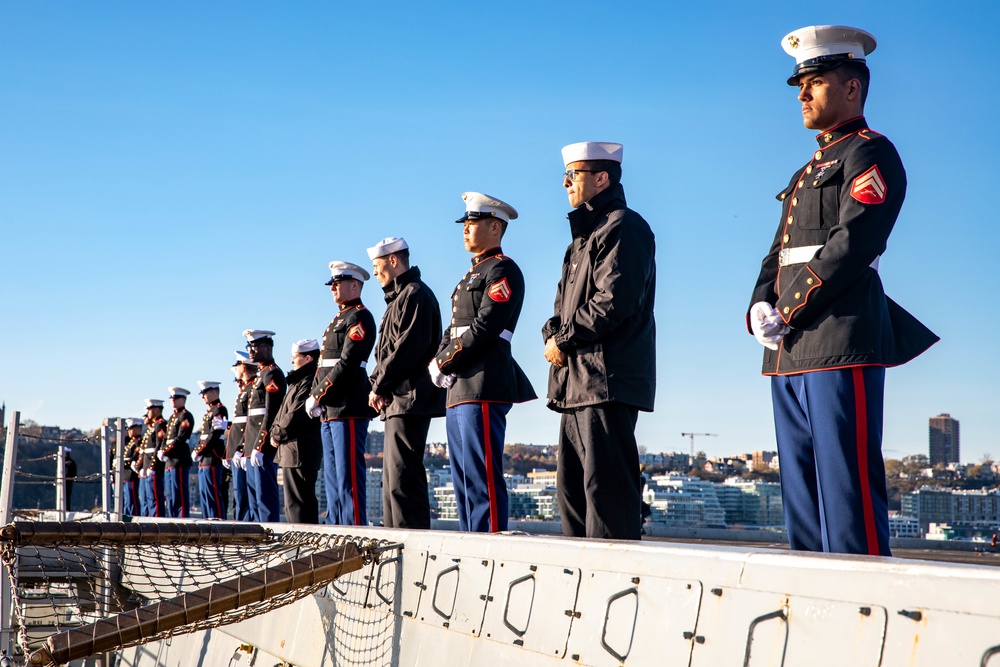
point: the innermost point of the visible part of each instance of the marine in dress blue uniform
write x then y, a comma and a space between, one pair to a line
474, 362
339, 397
266, 394
151, 472
820, 310
246, 372
176, 455
211, 452
132, 462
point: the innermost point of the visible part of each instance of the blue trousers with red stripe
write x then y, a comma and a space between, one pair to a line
241, 497
262, 490
213, 502
475, 446
151, 494
829, 430
175, 486
344, 470
130, 499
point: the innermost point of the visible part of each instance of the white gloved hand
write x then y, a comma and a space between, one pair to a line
437, 377
257, 459
767, 326
136, 467
161, 456
142, 473
313, 408
238, 459
219, 423
196, 458
226, 464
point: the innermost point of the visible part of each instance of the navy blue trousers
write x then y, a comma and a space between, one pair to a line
130, 499
175, 486
241, 497
151, 494
829, 430
213, 501
262, 489
344, 470
475, 446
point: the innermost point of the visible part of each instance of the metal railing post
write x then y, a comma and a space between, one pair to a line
7, 638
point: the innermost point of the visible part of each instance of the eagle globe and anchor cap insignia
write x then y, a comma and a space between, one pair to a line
499, 291
869, 187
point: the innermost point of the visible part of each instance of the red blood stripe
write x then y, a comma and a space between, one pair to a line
490, 485
861, 421
215, 488
354, 476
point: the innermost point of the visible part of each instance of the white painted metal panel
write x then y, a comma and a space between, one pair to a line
826, 633
457, 590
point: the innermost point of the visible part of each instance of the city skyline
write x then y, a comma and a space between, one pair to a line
178, 173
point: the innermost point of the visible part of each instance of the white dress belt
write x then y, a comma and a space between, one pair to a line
801, 255
256, 412
149, 450
506, 334
333, 361
239, 420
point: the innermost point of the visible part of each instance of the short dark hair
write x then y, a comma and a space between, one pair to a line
312, 354
855, 70
614, 169
403, 255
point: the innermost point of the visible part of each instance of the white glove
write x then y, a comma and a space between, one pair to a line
239, 460
767, 326
161, 456
257, 459
437, 377
313, 408
142, 473
196, 458
136, 467
219, 423
226, 464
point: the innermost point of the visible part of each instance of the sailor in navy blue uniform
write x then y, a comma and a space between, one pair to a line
474, 362
820, 310
245, 372
176, 455
339, 396
266, 394
151, 472
132, 462
211, 452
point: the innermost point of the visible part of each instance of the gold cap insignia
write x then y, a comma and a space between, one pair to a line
793, 41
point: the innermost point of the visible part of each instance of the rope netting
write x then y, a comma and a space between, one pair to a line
82, 588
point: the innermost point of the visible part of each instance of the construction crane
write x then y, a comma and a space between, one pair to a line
692, 435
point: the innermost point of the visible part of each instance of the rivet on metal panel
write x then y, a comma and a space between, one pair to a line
534, 568
572, 614
484, 563
575, 656
689, 586
717, 591
865, 611
635, 580
408, 613
433, 557
567, 571
700, 639
688, 635
445, 624
518, 642
421, 585
914, 615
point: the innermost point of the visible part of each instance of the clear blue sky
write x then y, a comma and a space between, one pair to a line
174, 173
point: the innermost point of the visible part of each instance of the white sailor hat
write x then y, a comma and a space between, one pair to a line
387, 246
478, 205
243, 357
305, 345
592, 150
132, 423
818, 48
346, 271
153, 403
177, 392
204, 385
257, 334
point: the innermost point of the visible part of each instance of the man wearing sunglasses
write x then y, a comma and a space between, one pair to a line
601, 344
266, 394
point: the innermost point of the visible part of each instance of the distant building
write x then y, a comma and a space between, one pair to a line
944, 441
543, 477
373, 490
681, 501
750, 503
375, 443
444, 497
903, 526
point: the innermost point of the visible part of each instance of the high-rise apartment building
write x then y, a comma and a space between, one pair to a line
943, 439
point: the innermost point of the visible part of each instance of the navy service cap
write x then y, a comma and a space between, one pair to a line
177, 392
478, 205
592, 150
153, 403
346, 271
243, 357
387, 247
204, 385
819, 48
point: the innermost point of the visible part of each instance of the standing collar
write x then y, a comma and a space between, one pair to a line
583, 219
839, 132
486, 255
350, 304
399, 282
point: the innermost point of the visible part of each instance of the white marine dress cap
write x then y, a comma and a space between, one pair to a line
205, 385
177, 392
154, 403
132, 422
345, 271
478, 205
243, 357
387, 246
818, 48
592, 150
257, 334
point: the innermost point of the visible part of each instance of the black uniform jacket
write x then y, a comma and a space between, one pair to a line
212, 444
238, 427
180, 426
132, 453
295, 433
407, 341
342, 384
845, 200
476, 348
266, 393
154, 439
604, 308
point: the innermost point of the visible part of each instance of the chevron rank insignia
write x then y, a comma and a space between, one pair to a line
499, 291
272, 387
869, 188
357, 332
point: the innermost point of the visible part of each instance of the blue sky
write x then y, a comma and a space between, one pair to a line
174, 173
